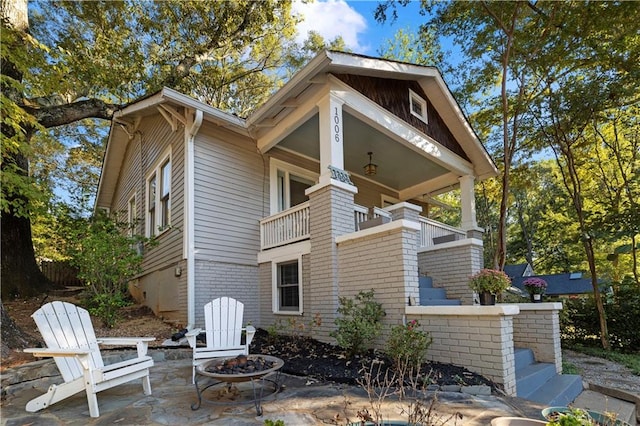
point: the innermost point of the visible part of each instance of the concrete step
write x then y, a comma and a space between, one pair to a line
524, 357
560, 390
425, 282
595, 401
532, 377
432, 293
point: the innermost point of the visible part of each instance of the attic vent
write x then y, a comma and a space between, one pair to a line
418, 106
575, 275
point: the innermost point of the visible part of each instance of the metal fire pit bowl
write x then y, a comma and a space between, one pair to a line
259, 381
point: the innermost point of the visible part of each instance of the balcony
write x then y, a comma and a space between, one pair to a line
292, 225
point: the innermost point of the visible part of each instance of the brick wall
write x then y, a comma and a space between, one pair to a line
385, 262
217, 279
537, 327
481, 343
451, 265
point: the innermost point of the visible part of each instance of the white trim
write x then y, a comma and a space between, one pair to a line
289, 251
466, 310
544, 306
275, 305
390, 226
288, 169
415, 98
404, 205
132, 218
156, 170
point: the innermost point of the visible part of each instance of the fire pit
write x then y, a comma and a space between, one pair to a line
232, 371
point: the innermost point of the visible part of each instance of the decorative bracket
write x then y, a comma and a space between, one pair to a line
340, 175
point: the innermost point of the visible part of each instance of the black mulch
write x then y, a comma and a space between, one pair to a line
308, 357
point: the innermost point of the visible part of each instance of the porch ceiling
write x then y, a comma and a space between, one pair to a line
399, 167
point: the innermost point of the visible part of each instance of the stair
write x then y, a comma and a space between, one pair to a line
430, 296
539, 382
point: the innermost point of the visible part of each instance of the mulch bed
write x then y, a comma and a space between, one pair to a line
308, 357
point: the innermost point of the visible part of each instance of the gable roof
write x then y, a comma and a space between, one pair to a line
172, 104
515, 270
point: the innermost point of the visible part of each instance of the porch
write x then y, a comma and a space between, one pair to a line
293, 225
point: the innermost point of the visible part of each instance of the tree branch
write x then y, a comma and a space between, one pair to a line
59, 115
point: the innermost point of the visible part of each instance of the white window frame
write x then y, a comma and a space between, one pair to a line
388, 200
132, 214
275, 293
414, 98
156, 208
276, 165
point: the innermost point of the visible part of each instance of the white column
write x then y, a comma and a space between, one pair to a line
331, 136
468, 203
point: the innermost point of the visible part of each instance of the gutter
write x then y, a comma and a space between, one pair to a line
189, 193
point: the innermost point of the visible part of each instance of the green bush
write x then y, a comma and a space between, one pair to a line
107, 259
359, 323
407, 346
579, 321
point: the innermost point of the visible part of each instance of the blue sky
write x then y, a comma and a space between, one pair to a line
353, 20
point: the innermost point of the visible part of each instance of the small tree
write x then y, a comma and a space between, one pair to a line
107, 258
360, 322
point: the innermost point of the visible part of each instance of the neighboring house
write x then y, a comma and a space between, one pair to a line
519, 270
572, 284
322, 192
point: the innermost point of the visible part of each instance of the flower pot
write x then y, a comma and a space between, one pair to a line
536, 298
598, 418
515, 421
487, 298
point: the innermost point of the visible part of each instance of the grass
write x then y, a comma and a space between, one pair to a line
631, 361
569, 368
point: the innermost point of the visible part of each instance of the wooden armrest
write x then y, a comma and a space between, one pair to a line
46, 352
194, 332
124, 340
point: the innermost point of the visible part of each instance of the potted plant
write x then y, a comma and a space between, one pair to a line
488, 283
568, 416
536, 287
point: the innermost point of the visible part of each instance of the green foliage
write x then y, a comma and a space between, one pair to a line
107, 259
359, 323
572, 417
407, 346
579, 319
269, 422
489, 280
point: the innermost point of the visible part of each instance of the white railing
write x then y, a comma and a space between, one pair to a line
430, 229
285, 227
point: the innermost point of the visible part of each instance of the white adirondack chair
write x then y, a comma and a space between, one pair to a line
68, 333
223, 331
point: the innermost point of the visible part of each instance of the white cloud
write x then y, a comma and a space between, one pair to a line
331, 18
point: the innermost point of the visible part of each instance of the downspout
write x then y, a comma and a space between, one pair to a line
190, 218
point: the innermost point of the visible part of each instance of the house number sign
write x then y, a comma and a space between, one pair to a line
336, 125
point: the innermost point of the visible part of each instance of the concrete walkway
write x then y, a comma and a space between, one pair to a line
300, 402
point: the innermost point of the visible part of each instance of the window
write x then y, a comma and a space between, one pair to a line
131, 215
159, 198
287, 289
289, 184
418, 106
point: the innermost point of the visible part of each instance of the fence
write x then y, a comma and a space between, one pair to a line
60, 273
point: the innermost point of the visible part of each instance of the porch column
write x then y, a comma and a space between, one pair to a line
331, 215
468, 205
331, 138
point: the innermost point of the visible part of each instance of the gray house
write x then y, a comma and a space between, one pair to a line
322, 192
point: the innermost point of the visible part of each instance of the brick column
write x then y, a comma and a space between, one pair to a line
404, 210
331, 210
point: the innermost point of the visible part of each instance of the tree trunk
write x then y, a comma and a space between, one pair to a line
12, 336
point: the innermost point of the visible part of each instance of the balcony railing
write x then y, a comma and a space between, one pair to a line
430, 229
285, 227
292, 225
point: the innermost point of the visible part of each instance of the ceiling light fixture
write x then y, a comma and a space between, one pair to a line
370, 169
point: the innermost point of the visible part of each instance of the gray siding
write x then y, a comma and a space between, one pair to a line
231, 193
158, 285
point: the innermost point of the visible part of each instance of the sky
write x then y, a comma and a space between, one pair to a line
354, 21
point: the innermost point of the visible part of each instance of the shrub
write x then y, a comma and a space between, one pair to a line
106, 257
407, 346
359, 323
